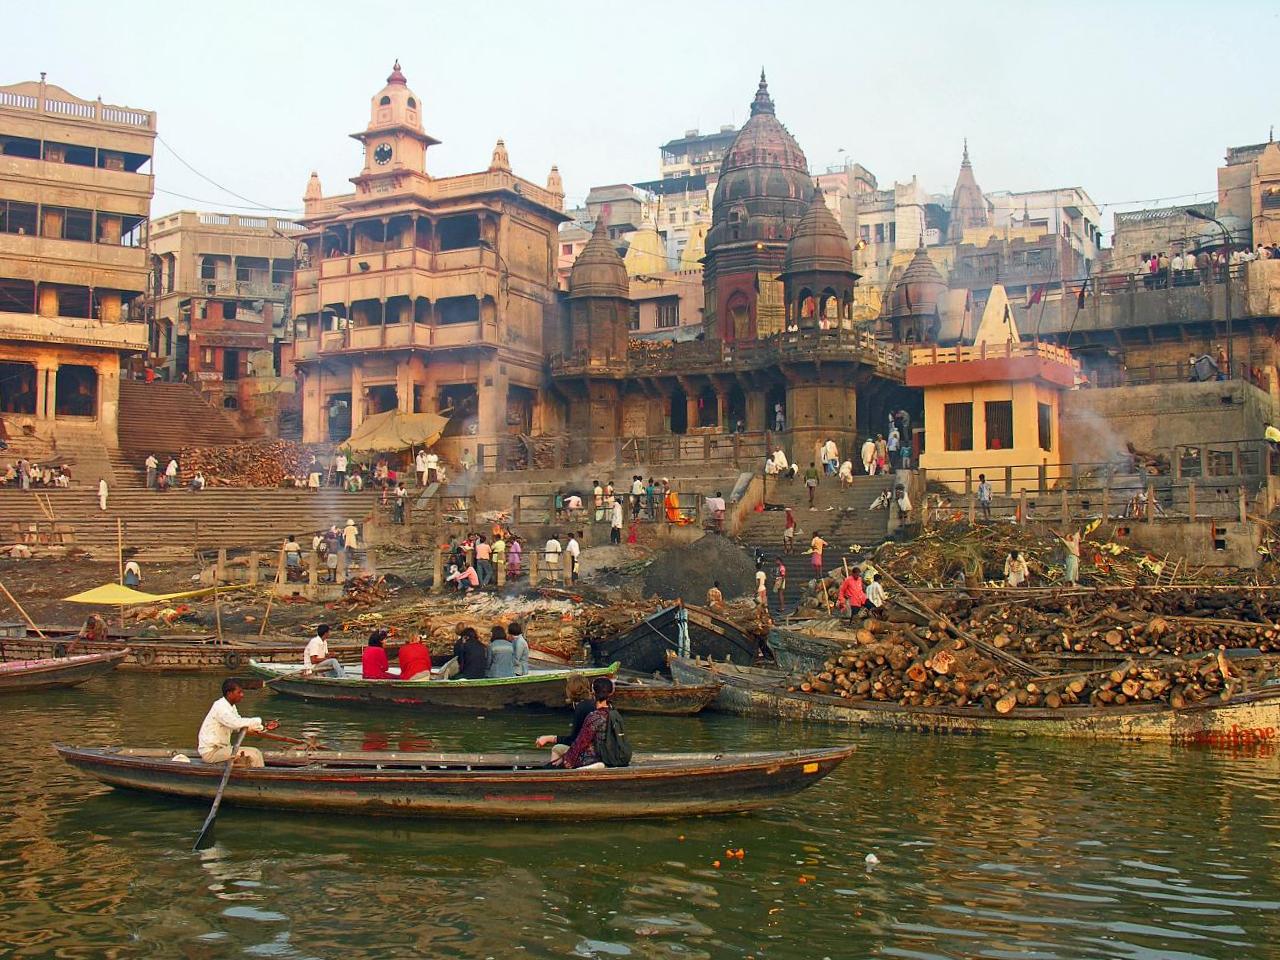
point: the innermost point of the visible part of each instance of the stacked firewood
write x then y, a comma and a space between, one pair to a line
261, 463
1161, 623
893, 668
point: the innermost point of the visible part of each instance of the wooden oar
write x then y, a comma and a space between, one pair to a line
207, 830
310, 744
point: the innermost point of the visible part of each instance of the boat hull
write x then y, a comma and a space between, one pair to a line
798, 652
1252, 718
51, 674
665, 698
645, 646
537, 689
477, 786
174, 656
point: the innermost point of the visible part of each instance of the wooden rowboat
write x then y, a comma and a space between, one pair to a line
644, 647
479, 786
804, 650
199, 654
22, 676
1248, 718
538, 688
662, 696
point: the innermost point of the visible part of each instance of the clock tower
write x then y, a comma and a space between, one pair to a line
394, 141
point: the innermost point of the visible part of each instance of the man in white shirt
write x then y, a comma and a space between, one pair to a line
222, 720
420, 467
152, 466
433, 467
615, 521
715, 510
574, 550
171, 471
340, 469
552, 554
637, 494
316, 659
875, 594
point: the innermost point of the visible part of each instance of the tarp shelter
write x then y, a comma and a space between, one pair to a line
115, 595
392, 431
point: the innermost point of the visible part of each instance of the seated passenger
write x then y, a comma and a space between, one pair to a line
578, 689
502, 654
471, 656
415, 659
584, 754
515, 633
373, 660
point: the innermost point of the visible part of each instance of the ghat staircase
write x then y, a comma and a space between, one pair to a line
842, 517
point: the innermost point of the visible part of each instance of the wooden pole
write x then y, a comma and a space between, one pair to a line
262, 630
120, 560
217, 611
25, 616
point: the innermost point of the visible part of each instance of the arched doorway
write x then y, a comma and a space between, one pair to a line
679, 412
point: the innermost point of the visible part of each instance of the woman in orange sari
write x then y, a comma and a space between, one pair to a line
673, 507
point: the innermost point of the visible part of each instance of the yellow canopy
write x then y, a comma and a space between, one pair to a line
119, 596
393, 430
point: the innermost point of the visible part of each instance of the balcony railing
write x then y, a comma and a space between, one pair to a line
249, 289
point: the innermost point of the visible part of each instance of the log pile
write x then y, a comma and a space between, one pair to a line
953, 675
259, 463
1142, 624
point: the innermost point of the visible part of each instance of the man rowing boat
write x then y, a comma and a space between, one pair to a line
222, 720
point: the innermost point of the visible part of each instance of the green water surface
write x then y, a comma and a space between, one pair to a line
987, 848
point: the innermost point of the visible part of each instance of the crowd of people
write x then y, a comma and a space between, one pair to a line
1188, 267
27, 475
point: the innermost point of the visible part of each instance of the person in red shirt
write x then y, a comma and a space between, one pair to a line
373, 661
415, 659
851, 594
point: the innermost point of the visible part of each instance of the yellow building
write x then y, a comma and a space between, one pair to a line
993, 405
75, 188
426, 294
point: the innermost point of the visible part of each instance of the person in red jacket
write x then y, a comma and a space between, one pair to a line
851, 594
415, 659
373, 661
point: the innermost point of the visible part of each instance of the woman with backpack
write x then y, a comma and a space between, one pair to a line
601, 742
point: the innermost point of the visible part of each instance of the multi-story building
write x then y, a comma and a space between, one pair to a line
221, 284
425, 294
1067, 212
75, 189
696, 153
1249, 193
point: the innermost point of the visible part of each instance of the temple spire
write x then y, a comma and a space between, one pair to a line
763, 103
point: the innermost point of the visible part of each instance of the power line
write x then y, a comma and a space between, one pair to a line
178, 157
233, 206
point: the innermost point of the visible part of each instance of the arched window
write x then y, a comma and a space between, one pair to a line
384, 102
413, 104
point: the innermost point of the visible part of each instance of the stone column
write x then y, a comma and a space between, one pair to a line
109, 398
109, 306
357, 397
47, 300
691, 410
491, 401
46, 388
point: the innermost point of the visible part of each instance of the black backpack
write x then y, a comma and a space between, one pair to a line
611, 743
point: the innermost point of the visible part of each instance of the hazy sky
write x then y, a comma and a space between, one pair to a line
1125, 99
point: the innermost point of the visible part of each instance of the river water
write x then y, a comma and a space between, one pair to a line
987, 848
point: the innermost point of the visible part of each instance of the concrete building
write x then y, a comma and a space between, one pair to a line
1144, 233
221, 285
75, 188
426, 294
696, 154
1249, 192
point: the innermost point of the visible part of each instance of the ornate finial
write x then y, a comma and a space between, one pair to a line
500, 159
763, 103
601, 229
314, 191
396, 76
554, 181
42, 76
965, 160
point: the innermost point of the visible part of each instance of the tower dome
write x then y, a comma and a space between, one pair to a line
599, 271
395, 105
920, 288
819, 242
764, 184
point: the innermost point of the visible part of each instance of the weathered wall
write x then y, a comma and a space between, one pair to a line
1238, 546
1096, 424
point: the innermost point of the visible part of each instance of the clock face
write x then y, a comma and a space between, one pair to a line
382, 153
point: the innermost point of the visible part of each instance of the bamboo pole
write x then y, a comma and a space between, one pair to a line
25, 616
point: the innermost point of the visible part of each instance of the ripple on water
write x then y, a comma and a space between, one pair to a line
988, 849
